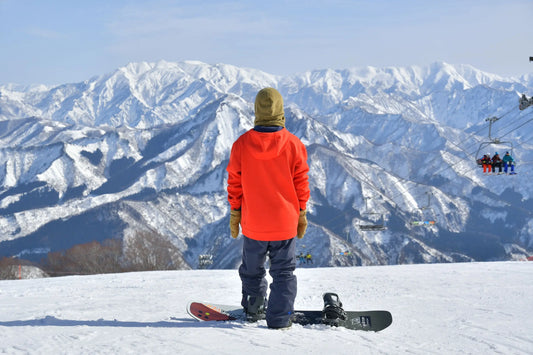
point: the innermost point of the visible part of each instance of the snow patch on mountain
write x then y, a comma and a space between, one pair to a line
146, 147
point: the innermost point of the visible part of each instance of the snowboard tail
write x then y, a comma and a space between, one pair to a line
213, 312
355, 320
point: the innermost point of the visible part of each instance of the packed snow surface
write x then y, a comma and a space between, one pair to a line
467, 308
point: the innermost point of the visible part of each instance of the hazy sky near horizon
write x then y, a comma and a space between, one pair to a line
62, 41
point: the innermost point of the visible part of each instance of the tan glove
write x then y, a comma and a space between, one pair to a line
234, 221
302, 224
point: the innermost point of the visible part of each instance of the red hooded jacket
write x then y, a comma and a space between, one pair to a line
267, 180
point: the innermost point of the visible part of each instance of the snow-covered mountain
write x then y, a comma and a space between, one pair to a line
146, 146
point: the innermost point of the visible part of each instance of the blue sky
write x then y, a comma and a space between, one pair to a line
59, 41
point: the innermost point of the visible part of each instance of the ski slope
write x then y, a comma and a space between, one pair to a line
468, 308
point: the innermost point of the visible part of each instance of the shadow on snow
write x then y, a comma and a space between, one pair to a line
50, 321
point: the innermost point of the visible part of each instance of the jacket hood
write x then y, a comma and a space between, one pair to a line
267, 145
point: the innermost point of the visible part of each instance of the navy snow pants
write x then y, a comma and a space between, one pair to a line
282, 255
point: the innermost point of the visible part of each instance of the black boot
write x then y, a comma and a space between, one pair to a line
255, 310
332, 313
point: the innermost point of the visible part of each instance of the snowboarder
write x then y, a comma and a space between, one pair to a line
268, 189
496, 163
508, 161
309, 258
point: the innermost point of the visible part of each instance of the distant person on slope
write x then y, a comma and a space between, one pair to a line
268, 190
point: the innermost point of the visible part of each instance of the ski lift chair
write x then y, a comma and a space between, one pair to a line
372, 227
504, 146
424, 222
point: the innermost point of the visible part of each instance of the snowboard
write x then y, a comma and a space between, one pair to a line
355, 320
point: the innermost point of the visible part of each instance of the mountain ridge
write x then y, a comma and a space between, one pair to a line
155, 138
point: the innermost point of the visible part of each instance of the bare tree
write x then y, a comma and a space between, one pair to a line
144, 251
6, 269
96, 258
88, 258
11, 267
148, 250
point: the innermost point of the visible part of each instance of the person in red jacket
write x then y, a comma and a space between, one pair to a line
268, 190
487, 164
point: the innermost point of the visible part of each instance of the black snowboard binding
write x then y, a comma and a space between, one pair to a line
255, 309
332, 313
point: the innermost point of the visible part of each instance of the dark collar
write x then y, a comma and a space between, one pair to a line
267, 129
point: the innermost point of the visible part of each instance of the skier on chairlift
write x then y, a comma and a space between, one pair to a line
487, 165
508, 161
497, 163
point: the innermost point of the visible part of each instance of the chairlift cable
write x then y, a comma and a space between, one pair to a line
523, 124
462, 149
465, 150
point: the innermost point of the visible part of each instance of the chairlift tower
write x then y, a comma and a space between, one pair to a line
524, 102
